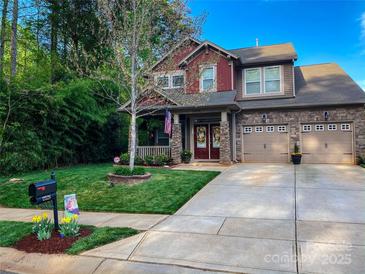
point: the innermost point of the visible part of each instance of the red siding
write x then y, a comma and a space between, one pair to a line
209, 57
224, 70
171, 63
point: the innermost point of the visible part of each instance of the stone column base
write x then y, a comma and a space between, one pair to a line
225, 145
176, 144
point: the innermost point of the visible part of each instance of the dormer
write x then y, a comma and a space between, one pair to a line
266, 72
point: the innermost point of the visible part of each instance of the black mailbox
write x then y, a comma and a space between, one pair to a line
42, 191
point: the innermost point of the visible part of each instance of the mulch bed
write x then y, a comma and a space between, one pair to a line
54, 245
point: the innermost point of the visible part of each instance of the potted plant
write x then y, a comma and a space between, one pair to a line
186, 156
296, 156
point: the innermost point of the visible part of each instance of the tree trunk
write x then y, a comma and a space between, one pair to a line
133, 141
2, 35
14, 30
54, 38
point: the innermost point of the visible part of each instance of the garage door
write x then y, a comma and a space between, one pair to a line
327, 143
265, 144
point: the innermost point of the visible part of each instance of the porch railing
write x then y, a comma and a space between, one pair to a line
143, 151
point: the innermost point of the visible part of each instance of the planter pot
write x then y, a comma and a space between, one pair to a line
128, 180
296, 159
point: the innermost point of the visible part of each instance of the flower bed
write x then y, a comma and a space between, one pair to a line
54, 245
129, 180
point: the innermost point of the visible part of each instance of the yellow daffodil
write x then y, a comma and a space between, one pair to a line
66, 220
75, 217
35, 219
45, 216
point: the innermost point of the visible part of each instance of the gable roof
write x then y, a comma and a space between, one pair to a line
173, 49
261, 54
202, 46
316, 85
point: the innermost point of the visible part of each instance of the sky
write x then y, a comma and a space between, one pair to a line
321, 31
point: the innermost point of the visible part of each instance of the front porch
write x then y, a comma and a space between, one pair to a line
207, 135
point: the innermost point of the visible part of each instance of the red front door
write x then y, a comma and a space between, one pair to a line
201, 144
206, 141
215, 141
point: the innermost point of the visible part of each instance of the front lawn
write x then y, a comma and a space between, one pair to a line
11, 232
165, 193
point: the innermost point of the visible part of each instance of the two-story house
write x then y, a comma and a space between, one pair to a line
254, 105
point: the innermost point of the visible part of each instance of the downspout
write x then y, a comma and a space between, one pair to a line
293, 73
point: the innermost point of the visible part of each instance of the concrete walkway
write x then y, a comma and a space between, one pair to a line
136, 221
258, 219
253, 218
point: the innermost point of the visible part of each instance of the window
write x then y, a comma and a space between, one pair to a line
307, 128
163, 81
177, 81
207, 79
259, 129
247, 130
319, 127
345, 127
281, 128
272, 79
263, 80
253, 81
332, 127
269, 129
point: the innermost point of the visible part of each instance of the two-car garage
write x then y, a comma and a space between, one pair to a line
319, 142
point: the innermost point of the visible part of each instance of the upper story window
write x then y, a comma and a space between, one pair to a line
163, 81
207, 78
177, 81
262, 81
272, 79
253, 81
170, 80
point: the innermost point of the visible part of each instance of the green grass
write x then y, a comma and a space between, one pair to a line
100, 236
11, 232
165, 193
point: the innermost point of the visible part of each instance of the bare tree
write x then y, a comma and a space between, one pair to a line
131, 30
2, 35
14, 31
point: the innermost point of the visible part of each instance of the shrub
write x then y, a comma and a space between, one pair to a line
125, 171
361, 161
161, 160
42, 227
139, 161
186, 156
69, 226
124, 159
149, 160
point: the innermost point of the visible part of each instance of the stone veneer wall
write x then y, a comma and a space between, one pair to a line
225, 145
176, 143
293, 118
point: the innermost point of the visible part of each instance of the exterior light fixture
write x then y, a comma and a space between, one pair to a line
326, 115
264, 117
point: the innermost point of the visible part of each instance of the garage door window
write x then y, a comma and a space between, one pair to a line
247, 130
345, 127
307, 128
319, 127
259, 129
281, 128
269, 129
332, 127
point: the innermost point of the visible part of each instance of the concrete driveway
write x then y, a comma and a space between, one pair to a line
258, 218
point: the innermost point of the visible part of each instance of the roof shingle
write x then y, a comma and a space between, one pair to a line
254, 55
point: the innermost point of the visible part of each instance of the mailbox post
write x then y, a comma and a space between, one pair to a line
45, 191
